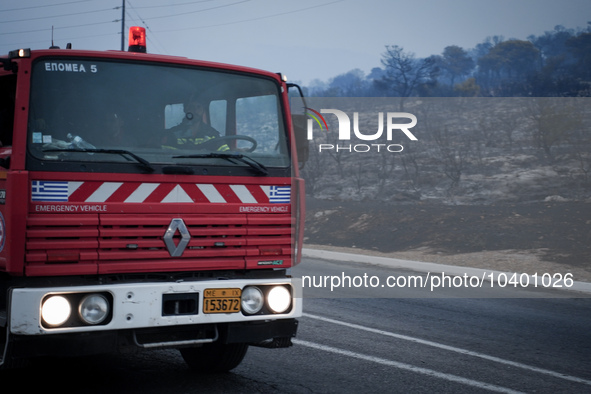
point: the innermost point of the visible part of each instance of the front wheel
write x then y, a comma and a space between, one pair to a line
214, 357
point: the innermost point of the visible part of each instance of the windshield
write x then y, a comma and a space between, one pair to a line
141, 117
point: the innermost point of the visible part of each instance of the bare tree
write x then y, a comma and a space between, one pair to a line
552, 122
314, 169
404, 73
412, 169
453, 155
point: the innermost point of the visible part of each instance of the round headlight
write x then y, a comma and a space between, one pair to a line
279, 299
56, 310
252, 300
93, 309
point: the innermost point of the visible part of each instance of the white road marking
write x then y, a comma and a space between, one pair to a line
406, 367
453, 349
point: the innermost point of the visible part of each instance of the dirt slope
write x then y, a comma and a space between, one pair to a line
525, 237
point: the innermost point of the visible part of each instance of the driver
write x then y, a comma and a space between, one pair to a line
193, 130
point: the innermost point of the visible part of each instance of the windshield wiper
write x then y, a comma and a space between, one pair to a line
145, 163
252, 163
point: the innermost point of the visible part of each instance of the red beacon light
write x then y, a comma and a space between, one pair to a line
137, 39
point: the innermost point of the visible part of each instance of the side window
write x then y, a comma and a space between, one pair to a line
217, 115
257, 117
7, 95
173, 115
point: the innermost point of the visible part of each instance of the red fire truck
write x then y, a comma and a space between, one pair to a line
146, 201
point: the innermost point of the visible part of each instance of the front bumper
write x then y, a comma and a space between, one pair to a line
138, 306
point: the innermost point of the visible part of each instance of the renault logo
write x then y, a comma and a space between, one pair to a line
174, 226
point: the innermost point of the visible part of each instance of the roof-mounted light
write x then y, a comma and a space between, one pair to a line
137, 39
19, 53
7, 63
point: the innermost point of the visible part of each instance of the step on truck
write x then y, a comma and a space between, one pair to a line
146, 202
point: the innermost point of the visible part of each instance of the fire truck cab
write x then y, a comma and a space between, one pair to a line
146, 201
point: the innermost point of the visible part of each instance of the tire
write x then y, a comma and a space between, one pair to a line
9, 363
214, 357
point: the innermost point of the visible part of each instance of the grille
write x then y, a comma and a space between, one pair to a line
216, 239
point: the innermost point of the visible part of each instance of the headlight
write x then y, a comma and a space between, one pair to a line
56, 310
252, 300
279, 299
93, 309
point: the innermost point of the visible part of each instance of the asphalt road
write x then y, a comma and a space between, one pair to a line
376, 339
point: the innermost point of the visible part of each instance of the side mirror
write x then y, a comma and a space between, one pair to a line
301, 138
299, 123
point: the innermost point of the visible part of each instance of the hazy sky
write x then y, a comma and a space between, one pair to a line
304, 39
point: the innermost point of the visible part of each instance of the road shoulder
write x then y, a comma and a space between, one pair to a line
397, 260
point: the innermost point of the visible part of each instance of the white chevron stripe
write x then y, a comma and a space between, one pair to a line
104, 191
243, 194
177, 195
73, 186
267, 190
211, 193
142, 192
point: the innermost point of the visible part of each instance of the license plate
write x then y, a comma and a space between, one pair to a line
221, 300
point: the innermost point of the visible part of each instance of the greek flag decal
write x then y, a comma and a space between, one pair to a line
49, 191
280, 194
